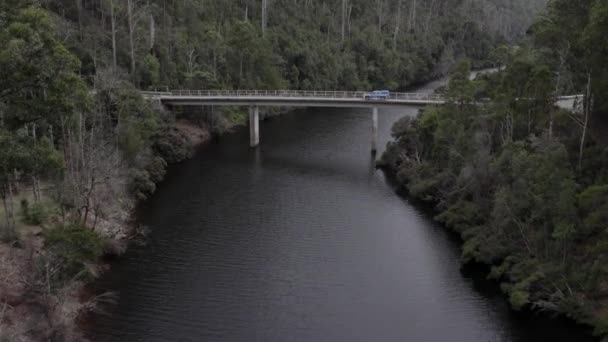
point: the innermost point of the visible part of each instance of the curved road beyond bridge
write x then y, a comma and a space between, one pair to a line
302, 98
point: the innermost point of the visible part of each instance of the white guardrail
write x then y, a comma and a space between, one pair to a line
290, 94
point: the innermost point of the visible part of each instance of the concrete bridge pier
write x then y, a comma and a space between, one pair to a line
375, 130
254, 126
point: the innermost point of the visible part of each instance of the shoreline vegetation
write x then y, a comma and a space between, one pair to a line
79, 146
523, 183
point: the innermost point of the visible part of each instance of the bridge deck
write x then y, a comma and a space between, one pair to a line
290, 98
303, 98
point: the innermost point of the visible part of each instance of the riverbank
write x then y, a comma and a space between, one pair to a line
482, 272
29, 311
527, 205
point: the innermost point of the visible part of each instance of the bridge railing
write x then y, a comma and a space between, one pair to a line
308, 94
292, 94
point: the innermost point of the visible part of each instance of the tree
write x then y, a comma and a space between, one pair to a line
39, 79
460, 88
12, 156
594, 40
150, 72
264, 16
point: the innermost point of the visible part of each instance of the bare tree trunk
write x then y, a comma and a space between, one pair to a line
11, 206
191, 60
380, 13
113, 24
241, 70
87, 201
152, 32
264, 16
343, 19
412, 23
214, 64
562, 57
81, 139
48, 281
349, 13
6, 209
79, 10
35, 190
397, 24
131, 23
95, 54
588, 108
428, 19
38, 188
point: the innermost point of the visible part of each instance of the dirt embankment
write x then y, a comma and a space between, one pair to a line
197, 135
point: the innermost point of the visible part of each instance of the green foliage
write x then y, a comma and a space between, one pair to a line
34, 214
136, 123
157, 167
37, 215
596, 48
143, 181
501, 56
150, 72
519, 299
72, 248
461, 215
593, 202
237, 116
172, 146
23, 153
39, 79
31, 158
142, 185
601, 326
220, 44
460, 88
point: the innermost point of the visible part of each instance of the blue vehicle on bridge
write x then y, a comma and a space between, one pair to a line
378, 95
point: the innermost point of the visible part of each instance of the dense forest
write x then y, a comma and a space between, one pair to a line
251, 44
524, 183
79, 145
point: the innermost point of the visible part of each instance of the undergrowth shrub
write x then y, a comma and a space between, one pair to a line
71, 248
34, 214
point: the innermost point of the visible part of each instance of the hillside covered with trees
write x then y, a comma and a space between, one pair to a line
79, 145
524, 183
272, 44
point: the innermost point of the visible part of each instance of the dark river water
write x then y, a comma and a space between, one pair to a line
301, 240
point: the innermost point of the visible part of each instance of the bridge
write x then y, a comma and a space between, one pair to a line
303, 98
291, 98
